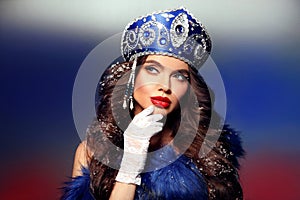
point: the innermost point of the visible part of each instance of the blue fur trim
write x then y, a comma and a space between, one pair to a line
78, 188
179, 180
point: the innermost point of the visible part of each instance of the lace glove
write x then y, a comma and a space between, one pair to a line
136, 143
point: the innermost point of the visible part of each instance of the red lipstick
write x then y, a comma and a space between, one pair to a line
160, 101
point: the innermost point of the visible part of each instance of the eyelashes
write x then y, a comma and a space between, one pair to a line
180, 76
152, 69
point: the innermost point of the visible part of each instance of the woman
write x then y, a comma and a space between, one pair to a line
154, 133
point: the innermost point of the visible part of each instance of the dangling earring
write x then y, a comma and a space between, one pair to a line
130, 87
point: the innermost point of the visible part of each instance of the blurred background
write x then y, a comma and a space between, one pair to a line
43, 44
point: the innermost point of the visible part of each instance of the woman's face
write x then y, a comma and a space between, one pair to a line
161, 81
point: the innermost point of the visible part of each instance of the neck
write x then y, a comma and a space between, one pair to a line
161, 139
167, 134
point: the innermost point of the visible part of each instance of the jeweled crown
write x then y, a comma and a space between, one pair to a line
174, 33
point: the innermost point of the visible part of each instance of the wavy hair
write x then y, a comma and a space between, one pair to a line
219, 167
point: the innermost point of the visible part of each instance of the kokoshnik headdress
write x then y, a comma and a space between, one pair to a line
173, 33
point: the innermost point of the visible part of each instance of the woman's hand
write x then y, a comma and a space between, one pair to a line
136, 142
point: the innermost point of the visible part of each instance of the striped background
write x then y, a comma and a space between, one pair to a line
43, 43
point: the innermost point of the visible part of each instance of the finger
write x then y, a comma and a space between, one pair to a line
157, 124
154, 118
153, 131
146, 112
145, 134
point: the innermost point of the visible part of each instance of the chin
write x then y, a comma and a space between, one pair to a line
158, 110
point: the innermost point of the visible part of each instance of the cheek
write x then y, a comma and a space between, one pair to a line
142, 84
142, 90
180, 90
142, 93
143, 79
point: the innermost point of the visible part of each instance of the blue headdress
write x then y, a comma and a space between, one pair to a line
174, 33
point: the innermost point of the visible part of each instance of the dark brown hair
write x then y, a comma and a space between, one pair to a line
217, 167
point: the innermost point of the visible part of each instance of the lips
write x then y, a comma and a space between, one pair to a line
160, 101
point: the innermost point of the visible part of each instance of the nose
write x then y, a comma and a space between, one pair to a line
165, 86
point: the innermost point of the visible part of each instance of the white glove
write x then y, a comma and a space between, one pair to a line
136, 143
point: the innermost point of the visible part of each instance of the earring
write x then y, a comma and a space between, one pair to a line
130, 87
196, 102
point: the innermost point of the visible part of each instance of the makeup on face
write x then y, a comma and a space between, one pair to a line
160, 101
161, 81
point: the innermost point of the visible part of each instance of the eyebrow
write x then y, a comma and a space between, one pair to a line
154, 62
182, 71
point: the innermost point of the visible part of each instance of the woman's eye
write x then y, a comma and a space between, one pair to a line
151, 69
181, 77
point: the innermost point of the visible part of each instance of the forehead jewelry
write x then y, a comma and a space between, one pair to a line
130, 87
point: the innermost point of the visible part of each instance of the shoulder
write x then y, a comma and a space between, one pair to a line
81, 149
80, 159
